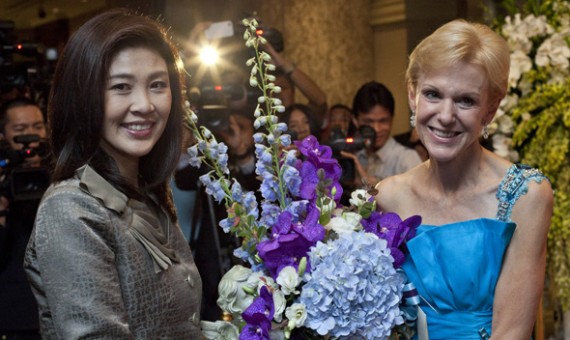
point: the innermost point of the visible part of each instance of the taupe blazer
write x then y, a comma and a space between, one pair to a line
103, 266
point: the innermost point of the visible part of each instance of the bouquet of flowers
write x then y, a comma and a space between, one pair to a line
314, 267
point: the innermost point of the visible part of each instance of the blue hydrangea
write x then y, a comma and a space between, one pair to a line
353, 289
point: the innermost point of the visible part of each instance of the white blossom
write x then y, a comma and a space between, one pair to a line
296, 314
359, 197
520, 63
347, 222
288, 279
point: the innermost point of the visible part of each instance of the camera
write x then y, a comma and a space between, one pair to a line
214, 103
13, 74
21, 182
364, 137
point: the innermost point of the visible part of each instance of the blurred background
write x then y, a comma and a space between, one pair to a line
339, 44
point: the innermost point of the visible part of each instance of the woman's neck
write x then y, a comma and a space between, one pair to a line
129, 169
461, 173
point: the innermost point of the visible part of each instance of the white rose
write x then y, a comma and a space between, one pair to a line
501, 145
232, 298
288, 279
279, 302
347, 222
509, 102
296, 314
219, 330
276, 334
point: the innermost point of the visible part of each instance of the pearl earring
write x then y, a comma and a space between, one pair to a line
413, 119
485, 132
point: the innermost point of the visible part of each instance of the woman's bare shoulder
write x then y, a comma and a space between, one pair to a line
394, 191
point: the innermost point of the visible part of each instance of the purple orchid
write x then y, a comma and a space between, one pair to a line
258, 317
290, 241
311, 148
317, 157
390, 227
309, 181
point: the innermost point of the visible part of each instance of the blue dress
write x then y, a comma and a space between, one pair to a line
455, 267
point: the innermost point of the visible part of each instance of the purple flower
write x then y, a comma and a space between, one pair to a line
390, 227
289, 242
309, 181
310, 229
258, 317
311, 148
320, 157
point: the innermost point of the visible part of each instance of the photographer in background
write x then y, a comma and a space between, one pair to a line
19, 311
373, 106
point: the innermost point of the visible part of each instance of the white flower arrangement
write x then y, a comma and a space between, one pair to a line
540, 54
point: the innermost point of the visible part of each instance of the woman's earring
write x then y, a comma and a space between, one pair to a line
485, 132
413, 120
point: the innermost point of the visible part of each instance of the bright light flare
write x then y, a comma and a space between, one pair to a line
209, 55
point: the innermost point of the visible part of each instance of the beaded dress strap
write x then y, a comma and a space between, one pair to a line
513, 186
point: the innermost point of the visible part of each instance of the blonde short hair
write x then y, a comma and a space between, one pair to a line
462, 41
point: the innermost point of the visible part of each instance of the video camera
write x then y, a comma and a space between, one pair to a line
364, 137
20, 182
338, 142
14, 74
214, 103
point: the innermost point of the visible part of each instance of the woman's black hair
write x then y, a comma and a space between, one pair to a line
77, 101
313, 125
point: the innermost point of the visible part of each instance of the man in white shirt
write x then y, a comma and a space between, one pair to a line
373, 106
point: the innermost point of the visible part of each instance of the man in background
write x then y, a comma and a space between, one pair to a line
20, 119
373, 106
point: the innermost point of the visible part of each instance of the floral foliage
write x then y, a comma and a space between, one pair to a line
536, 113
317, 268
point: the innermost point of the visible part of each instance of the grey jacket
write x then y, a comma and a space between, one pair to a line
103, 266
